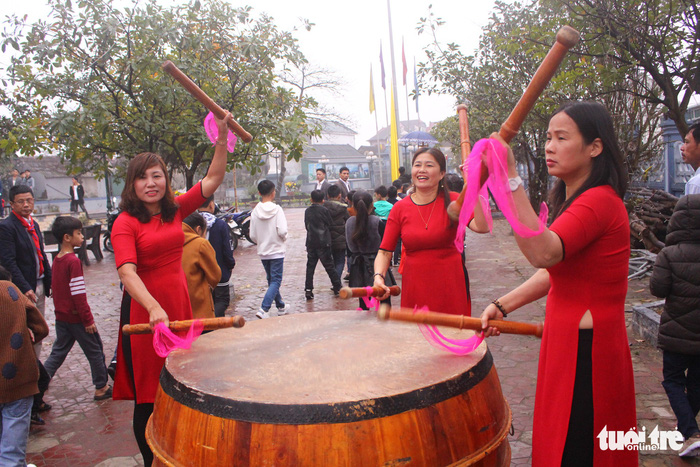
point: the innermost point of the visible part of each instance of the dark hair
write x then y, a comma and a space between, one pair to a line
320, 169
362, 201
454, 182
342, 169
5, 274
317, 196
195, 220
405, 187
402, 170
593, 122
265, 187
351, 195
333, 191
18, 190
397, 184
695, 130
381, 191
65, 225
392, 192
442, 162
206, 202
130, 201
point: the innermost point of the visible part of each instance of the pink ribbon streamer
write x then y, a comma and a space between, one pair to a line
165, 341
438, 340
213, 133
496, 157
371, 302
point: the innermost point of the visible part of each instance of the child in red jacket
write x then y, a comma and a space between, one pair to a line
74, 321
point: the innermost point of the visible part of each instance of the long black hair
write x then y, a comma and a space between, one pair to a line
362, 202
442, 162
594, 122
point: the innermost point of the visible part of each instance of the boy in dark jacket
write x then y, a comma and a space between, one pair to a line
317, 220
339, 215
676, 277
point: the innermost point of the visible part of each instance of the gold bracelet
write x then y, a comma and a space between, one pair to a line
221, 143
500, 307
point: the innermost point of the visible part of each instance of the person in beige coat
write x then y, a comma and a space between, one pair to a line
200, 266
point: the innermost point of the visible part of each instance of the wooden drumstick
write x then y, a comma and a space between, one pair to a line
567, 37
465, 145
210, 324
202, 97
457, 321
350, 292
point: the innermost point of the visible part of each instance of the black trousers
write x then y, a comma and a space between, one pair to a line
578, 450
325, 255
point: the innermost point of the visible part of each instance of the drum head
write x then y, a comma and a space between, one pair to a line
326, 367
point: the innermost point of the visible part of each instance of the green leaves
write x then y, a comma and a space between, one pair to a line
95, 69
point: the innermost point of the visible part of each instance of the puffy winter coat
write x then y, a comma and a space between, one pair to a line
676, 277
339, 214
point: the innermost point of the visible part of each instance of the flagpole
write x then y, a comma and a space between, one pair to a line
379, 151
415, 85
381, 62
393, 71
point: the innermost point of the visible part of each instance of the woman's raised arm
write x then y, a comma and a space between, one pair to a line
217, 168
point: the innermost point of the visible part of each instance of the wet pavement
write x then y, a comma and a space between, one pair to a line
82, 432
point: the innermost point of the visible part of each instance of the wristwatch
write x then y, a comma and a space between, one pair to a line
515, 182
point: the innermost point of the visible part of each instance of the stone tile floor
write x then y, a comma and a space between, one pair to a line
82, 432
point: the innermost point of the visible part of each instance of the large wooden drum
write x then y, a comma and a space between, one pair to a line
327, 389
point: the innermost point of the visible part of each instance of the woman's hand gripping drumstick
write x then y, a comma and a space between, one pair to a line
458, 321
567, 37
209, 324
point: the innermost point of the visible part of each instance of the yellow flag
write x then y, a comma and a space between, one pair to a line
394, 140
371, 91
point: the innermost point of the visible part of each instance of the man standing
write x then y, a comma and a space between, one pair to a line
22, 250
690, 151
343, 184
16, 179
28, 179
321, 182
220, 239
77, 197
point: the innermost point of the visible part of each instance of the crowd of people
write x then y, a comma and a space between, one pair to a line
174, 259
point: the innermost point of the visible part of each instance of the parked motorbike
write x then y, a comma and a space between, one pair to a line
107, 238
238, 224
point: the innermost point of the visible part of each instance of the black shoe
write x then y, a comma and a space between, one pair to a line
336, 291
42, 407
309, 294
112, 369
347, 277
36, 419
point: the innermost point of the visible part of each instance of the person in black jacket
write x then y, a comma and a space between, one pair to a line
339, 215
317, 220
676, 277
22, 250
219, 236
77, 197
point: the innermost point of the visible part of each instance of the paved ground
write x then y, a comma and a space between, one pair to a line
82, 432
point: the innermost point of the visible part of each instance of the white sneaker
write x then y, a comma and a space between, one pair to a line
262, 314
284, 310
691, 447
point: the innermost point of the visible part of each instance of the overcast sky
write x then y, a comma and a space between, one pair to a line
345, 40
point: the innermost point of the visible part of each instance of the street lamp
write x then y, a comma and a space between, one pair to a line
371, 157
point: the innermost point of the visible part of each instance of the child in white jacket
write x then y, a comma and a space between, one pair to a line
268, 228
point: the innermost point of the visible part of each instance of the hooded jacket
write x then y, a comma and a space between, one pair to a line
339, 215
268, 229
202, 272
676, 277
